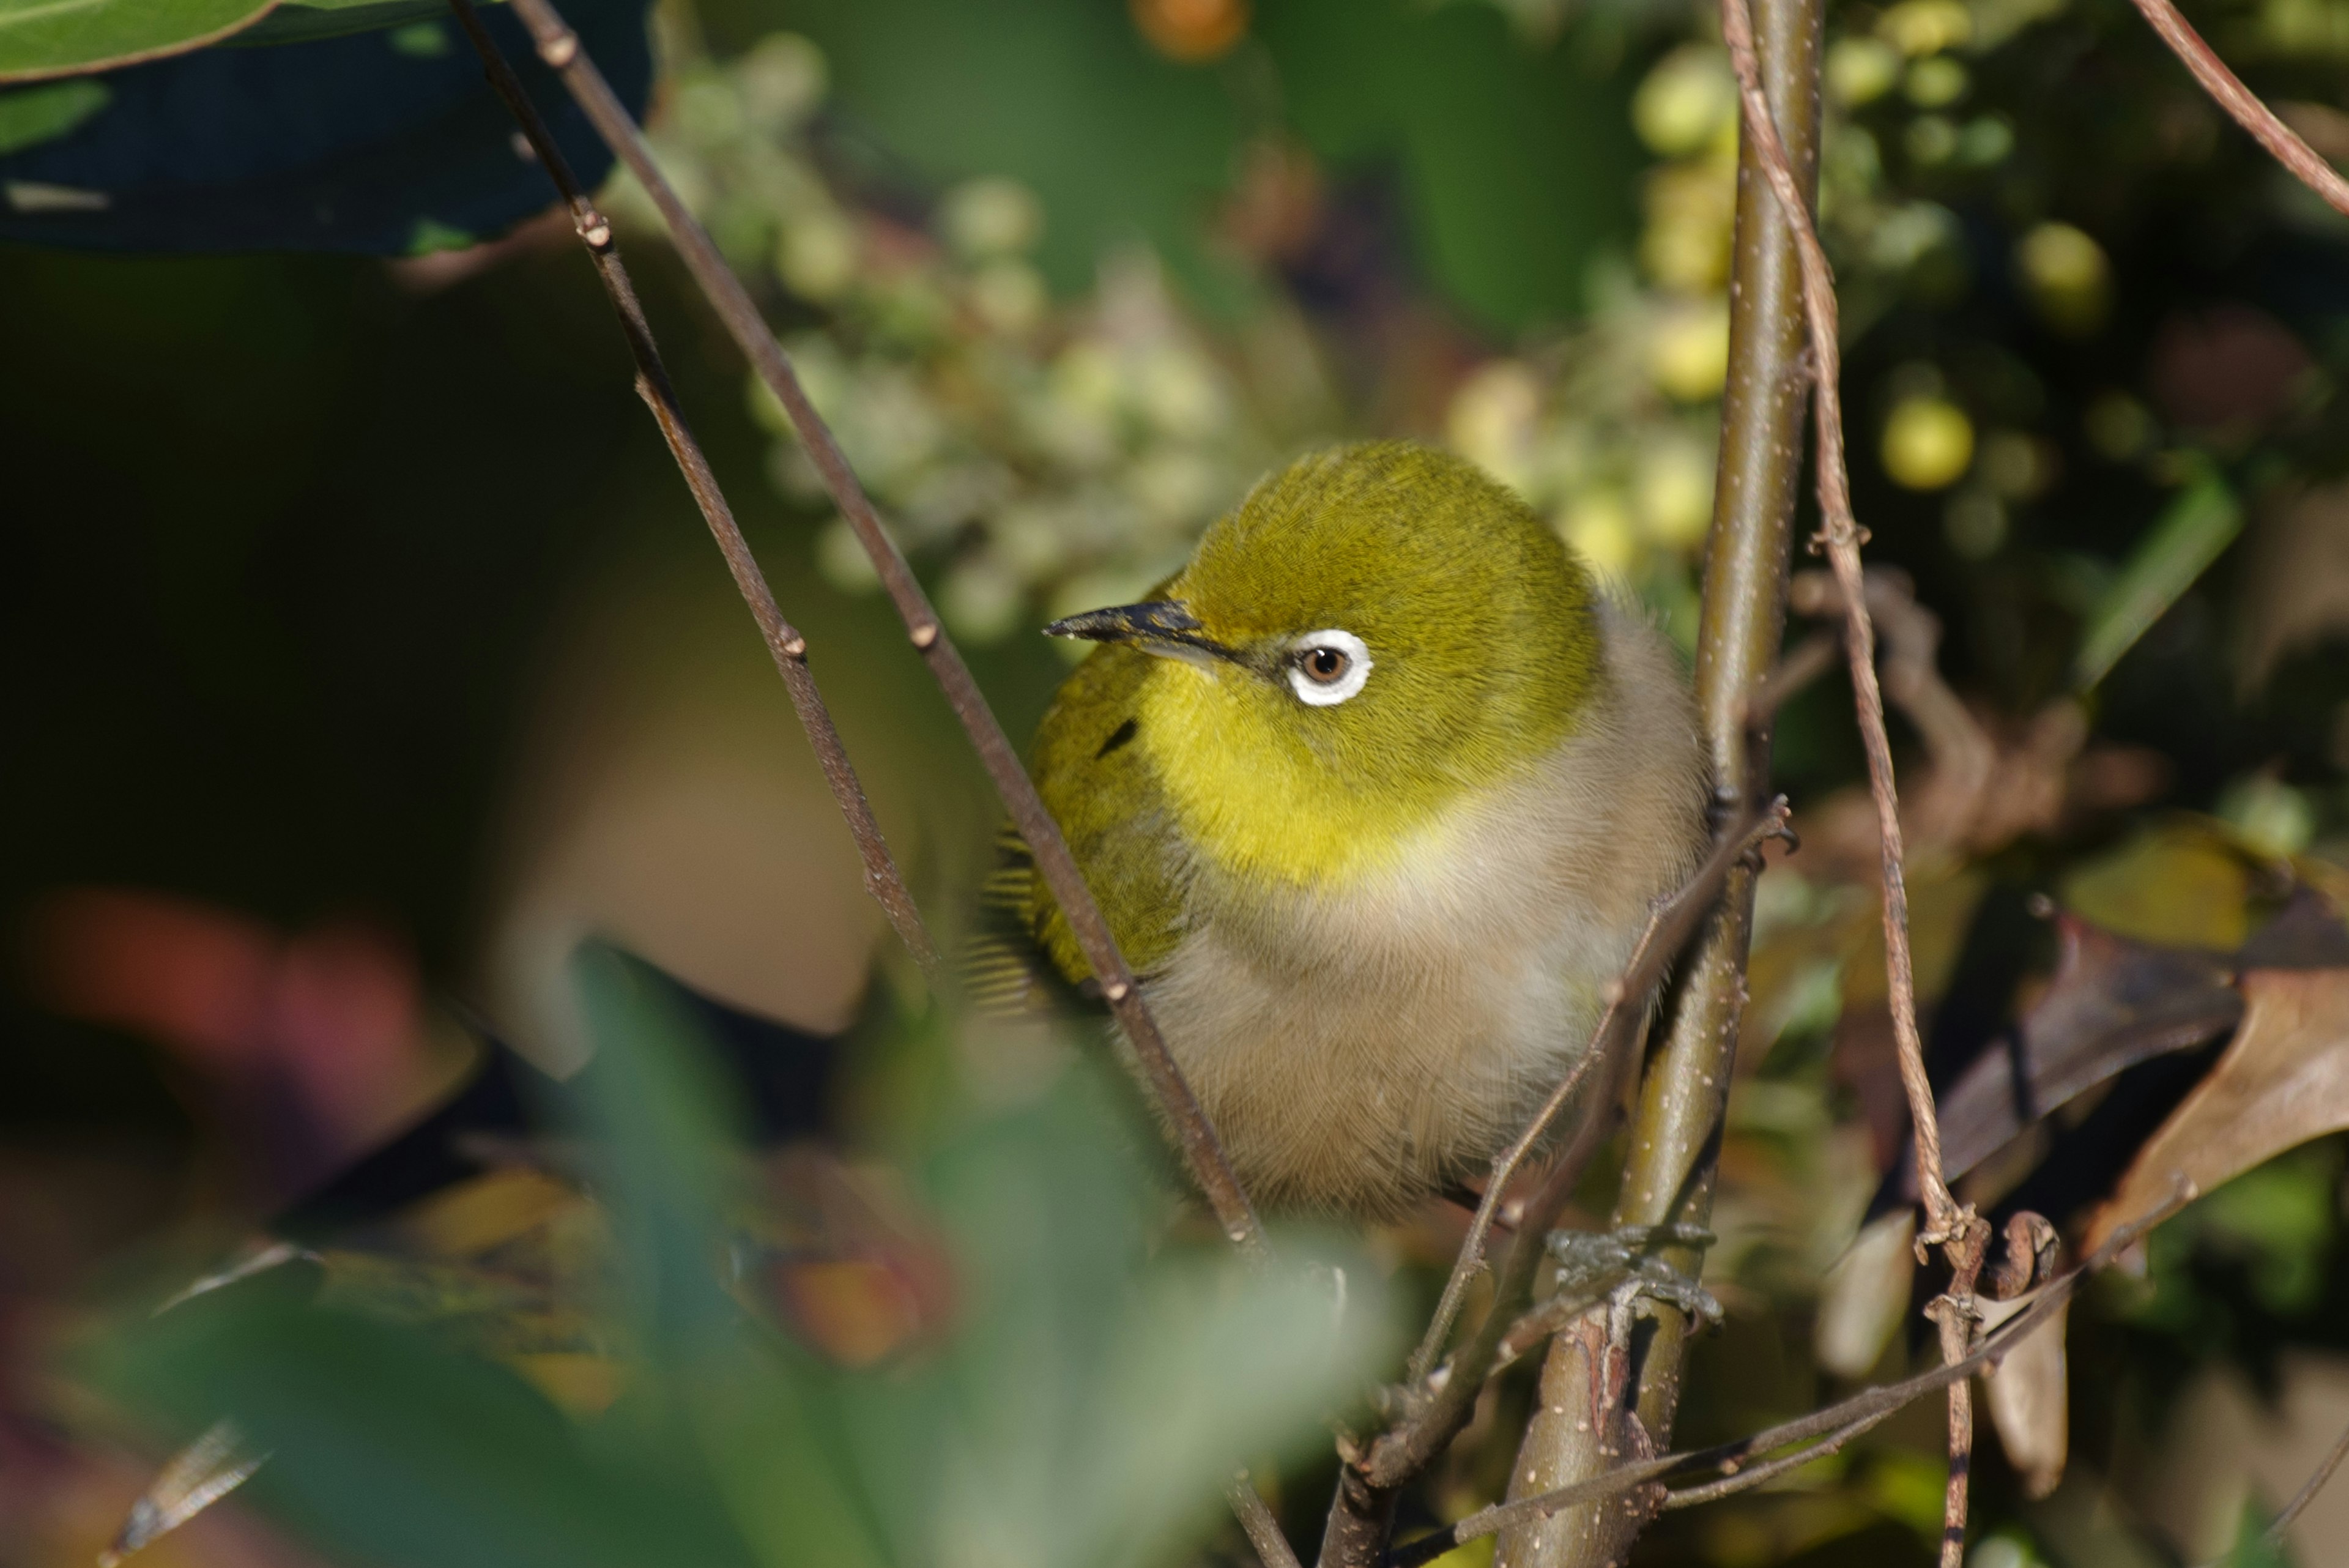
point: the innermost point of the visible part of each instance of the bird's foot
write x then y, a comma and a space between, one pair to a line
1621, 1264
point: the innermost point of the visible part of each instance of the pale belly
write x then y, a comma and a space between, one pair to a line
1363, 1090
1362, 1048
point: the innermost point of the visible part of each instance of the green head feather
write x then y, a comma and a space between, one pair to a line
1377, 630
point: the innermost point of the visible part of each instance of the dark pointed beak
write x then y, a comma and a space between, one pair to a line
1163, 627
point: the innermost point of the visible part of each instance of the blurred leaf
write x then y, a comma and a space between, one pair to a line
2253, 1548
2181, 543
2273, 1223
774, 1425
387, 1449
35, 114
1097, 1404
2179, 884
1865, 1297
2113, 1002
2295, 587
382, 143
2029, 1394
300, 21
218, 1462
42, 38
667, 1146
1516, 161
1513, 160
1120, 144
2283, 1081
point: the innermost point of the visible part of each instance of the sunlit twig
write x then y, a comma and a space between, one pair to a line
1203, 1152
1821, 1431
2245, 105
1961, 1234
1627, 994
784, 643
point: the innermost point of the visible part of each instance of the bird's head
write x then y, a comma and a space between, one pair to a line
1376, 631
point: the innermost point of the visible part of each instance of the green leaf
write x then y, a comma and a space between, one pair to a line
1099, 1397
668, 1147
38, 113
300, 21
2198, 526
42, 38
385, 1447
387, 142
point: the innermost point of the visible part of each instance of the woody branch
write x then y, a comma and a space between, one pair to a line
1202, 1151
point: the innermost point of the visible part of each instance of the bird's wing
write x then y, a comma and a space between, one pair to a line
1100, 788
1004, 967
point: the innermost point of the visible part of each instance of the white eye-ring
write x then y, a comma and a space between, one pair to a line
1325, 668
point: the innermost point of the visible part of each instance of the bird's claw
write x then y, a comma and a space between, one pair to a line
1621, 1264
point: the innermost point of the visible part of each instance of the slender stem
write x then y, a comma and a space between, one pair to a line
1842, 536
1626, 994
2308, 1489
2239, 101
1955, 1315
1437, 1412
1823, 1429
1575, 1432
1960, 1232
784, 643
1203, 1152
1263, 1530
1770, 1470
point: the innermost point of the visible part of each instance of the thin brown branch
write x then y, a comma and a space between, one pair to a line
2239, 101
1960, 1232
1203, 1152
1961, 756
1263, 1530
1440, 1412
1842, 538
2308, 1491
1821, 1429
1361, 1510
1668, 930
1955, 1315
1586, 1418
1804, 663
786, 645
1770, 1470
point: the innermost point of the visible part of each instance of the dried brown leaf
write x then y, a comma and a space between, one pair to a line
2113, 1002
2029, 1401
2283, 1080
2295, 585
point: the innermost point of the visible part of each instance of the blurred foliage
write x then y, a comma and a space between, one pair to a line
367, 126
1073, 1396
1068, 277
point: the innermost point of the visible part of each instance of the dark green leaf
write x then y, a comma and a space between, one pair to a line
386, 1447
41, 38
35, 114
387, 142
2190, 534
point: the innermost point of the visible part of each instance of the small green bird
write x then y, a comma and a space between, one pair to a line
1375, 794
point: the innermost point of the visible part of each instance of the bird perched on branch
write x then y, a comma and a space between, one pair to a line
1376, 795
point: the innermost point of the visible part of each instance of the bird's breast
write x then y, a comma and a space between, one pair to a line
1359, 1046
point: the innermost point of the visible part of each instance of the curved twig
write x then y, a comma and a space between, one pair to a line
1667, 931
784, 643
2239, 101
1203, 1152
1821, 1430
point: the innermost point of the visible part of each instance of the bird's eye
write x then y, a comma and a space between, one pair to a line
1325, 668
